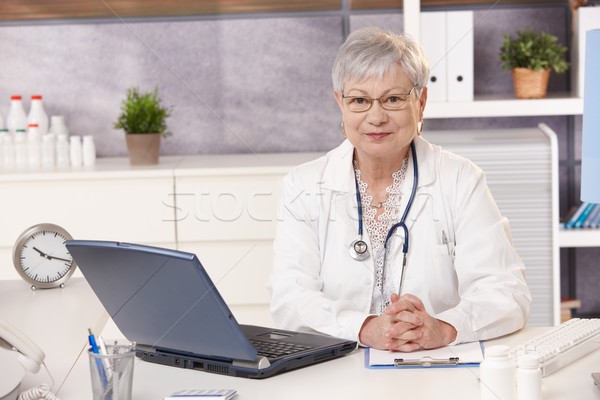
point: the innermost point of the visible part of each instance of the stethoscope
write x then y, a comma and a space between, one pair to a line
359, 249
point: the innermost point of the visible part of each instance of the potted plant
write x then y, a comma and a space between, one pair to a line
143, 119
531, 56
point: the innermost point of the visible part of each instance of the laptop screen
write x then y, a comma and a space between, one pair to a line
161, 298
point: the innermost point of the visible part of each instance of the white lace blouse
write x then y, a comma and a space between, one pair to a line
377, 228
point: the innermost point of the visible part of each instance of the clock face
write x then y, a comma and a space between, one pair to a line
41, 256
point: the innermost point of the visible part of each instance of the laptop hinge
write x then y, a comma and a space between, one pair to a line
261, 362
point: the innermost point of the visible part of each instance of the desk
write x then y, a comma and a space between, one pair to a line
57, 321
344, 378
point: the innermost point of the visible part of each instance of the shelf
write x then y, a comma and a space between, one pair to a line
579, 238
496, 106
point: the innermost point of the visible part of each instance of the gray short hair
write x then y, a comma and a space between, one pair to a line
371, 52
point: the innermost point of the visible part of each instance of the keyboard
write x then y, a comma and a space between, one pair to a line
563, 344
277, 349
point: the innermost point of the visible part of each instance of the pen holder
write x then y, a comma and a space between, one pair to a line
112, 372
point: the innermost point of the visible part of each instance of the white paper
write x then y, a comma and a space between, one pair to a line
467, 353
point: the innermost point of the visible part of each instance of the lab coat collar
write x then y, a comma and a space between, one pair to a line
339, 172
426, 164
425, 161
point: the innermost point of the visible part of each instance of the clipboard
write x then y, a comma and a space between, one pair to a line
461, 355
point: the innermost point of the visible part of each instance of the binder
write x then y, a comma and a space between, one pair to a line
593, 215
465, 354
586, 19
433, 32
571, 222
584, 215
447, 39
459, 47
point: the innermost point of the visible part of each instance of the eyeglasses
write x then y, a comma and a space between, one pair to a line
390, 102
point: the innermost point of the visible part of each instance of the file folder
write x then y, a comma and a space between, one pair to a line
459, 62
447, 39
586, 19
433, 32
466, 354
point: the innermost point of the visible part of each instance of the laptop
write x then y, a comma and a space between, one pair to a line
165, 301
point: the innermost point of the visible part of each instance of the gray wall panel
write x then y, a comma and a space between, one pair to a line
237, 86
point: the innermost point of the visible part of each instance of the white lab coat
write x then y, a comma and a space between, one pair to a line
475, 282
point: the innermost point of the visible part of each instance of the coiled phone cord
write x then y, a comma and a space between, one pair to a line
41, 392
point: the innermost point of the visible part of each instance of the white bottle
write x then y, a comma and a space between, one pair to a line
34, 146
8, 150
3, 134
75, 150
529, 377
20, 146
58, 125
89, 150
48, 158
37, 114
16, 119
497, 374
2, 126
63, 154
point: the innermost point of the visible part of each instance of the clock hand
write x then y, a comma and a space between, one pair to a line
41, 253
57, 258
49, 257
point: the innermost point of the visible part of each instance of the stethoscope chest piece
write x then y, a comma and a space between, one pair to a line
359, 250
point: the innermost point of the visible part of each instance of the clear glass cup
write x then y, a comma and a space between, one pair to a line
112, 373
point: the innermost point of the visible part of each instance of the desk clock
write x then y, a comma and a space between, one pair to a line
41, 257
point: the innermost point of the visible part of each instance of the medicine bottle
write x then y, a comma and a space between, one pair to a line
16, 119
58, 125
37, 114
8, 150
88, 151
21, 152
497, 374
529, 377
63, 154
75, 150
48, 151
34, 148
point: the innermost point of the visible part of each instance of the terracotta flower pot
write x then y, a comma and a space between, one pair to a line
143, 148
530, 84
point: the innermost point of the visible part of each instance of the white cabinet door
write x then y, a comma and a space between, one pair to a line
90, 206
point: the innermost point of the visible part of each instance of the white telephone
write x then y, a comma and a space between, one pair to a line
30, 356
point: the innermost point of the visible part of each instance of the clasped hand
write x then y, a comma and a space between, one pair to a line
406, 326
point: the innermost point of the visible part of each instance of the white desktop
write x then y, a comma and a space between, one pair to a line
58, 319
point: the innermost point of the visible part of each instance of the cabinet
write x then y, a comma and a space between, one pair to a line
222, 208
226, 213
111, 201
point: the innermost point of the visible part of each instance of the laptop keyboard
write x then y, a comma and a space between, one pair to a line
277, 349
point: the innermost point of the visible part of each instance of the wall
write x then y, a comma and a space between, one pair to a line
256, 83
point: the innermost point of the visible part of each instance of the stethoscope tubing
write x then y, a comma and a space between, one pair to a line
402, 222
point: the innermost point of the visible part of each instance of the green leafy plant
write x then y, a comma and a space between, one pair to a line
143, 113
533, 50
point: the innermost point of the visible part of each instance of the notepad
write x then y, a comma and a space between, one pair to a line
458, 355
212, 394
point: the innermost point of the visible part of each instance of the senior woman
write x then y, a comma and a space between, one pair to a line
389, 239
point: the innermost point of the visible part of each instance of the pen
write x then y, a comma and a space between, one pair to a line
105, 361
445, 241
95, 350
92, 341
